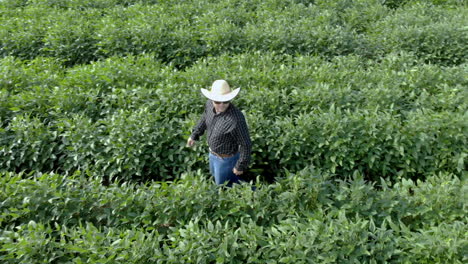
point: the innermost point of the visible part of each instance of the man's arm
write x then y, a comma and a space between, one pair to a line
199, 128
241, 134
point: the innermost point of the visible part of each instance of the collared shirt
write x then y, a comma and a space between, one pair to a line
227, 133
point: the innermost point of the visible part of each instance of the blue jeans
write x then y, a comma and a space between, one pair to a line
221, 169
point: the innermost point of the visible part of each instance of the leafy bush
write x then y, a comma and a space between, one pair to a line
28, 144
71, 37
436, 34
22, 31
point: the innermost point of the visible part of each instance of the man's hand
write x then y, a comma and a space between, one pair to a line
190, 142
236, 172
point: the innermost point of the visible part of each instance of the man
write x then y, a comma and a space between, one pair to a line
227, 134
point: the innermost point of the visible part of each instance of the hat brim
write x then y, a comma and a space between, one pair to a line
218, 97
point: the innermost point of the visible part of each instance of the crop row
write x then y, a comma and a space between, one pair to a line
302, 217
182, 33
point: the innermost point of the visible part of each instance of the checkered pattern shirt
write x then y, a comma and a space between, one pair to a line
227, 133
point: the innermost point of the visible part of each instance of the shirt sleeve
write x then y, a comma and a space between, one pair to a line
241, 134
200, 128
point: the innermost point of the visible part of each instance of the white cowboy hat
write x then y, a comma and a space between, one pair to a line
220, 92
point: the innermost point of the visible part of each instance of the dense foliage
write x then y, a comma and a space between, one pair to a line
357, 109
306, 217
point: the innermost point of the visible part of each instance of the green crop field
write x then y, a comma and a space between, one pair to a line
357, 110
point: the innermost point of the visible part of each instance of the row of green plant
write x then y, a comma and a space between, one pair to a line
399, 83
304, 217
103, 4
288, 85
141, 146
183, 32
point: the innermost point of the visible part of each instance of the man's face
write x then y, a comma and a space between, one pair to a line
220, 106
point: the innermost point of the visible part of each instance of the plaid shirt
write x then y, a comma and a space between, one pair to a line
227, 133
